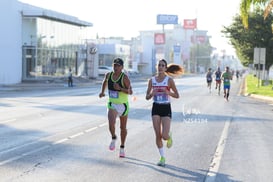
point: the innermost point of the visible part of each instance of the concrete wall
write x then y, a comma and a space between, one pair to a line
10, 44
148, 51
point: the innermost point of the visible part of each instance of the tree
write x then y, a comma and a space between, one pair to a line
259, 34
245, 7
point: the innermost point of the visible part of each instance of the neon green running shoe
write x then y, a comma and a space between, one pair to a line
161, 162
170, 141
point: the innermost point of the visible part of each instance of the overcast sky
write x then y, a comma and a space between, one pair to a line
125, 18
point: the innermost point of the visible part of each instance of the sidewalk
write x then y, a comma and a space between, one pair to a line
61, 83
50, 84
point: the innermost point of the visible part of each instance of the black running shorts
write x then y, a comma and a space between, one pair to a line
162, 110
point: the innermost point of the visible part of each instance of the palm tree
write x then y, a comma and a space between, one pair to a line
268, 8
246, 5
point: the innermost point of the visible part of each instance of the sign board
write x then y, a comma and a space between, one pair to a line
167, 19
262, 55
198, 39
159, 38
176, 49
190, 23
259, 55
177, 54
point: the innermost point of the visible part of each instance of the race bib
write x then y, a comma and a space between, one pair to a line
161, 97
113, 94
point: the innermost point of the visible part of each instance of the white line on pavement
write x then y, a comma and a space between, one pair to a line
47, 146
215, 163
7, 121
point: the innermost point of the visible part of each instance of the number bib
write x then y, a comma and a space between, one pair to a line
113, 94
161, 98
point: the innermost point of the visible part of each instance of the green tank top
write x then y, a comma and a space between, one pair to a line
115, 96
226, 78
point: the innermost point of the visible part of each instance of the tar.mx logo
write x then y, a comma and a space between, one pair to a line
192, 115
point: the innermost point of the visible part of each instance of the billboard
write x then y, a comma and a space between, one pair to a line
199, 39
190, 23
159, 38
167, 19
176, 49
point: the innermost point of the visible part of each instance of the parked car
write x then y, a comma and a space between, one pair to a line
132, 72
104, 69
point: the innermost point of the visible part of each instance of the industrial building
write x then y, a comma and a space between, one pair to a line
37, 42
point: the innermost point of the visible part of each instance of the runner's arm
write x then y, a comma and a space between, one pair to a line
149, 93
103, 85
173, 91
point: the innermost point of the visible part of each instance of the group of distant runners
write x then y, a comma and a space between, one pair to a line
220, 77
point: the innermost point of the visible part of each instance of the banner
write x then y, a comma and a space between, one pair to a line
167, 19
198, 39
159, 38
190, 23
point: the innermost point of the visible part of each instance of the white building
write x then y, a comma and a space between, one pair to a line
36, 42
174, 45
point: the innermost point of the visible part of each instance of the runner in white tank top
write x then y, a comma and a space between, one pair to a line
161, 87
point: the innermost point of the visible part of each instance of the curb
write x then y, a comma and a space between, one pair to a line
58, 84
260, 97
43, 86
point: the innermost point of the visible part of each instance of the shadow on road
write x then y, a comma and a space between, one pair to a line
180, 173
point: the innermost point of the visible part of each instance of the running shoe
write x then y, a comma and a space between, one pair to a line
161, 161
121, 153
170, 141
112, 145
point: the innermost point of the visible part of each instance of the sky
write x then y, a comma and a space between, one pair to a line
125, 18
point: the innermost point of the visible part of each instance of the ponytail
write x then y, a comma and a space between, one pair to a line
174, 70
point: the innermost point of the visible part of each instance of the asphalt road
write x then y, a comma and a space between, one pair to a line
62, 135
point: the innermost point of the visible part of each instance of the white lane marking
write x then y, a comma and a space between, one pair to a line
90, 129
76, 135
46, 146
36, 150
21, 146
215, 164
22, 155
7, 121
61, 141
9, 160
103, 124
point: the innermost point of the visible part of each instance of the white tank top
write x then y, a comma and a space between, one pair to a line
161, 97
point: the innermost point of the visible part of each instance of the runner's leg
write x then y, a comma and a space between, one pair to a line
112, 114
123, 129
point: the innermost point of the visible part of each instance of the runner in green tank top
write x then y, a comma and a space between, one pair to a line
226, 77
119, 87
